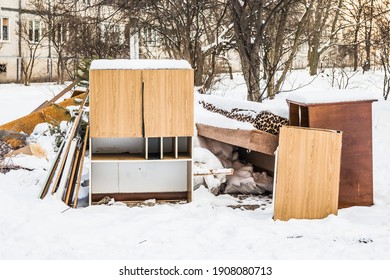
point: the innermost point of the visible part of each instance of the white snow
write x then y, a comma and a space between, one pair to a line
17, 100
331, 96
206, 229
139, 64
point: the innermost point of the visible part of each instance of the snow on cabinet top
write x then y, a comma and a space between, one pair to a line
127, 64
330, 96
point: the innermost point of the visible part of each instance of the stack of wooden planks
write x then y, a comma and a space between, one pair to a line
64, 176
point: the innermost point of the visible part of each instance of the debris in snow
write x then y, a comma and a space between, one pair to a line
365, 240
264, 120
244, 179
13, 139
205, 159
33, 149
104, 200
5, 148
150, 201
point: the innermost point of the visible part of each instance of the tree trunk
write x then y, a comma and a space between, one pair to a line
367, 62
314, 59
251, 72
355, 49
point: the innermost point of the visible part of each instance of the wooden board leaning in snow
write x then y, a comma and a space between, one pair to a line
51, 172
70, 135
71, 181
67, 168
114, 64
308, 173
80, 170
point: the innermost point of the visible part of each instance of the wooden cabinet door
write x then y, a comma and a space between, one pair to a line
115, 103
307, 173
168, 102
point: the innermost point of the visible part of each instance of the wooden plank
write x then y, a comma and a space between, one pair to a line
308, 172
168, 102
70, 184
50, 174
115, 103
65, 176
255, 140
80, 169
68, 138
58, 96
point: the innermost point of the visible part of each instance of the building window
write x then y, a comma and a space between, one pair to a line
113, 33
150, 37
3, 68
4, 29
34, 31
61, 31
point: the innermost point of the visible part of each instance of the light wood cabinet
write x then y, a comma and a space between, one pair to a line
142, 103
142, 123
116, 103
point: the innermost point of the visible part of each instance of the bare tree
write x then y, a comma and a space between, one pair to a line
33, 36
296, 36
250, 20
194, 30
56, 17
322, 30
352, 13
283, 38
382, 42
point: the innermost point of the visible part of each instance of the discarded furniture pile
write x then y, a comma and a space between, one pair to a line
142, 123
64, 174
321, 161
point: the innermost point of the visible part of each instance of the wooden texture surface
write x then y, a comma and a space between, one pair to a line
115, 103
355, 120
255, 140
308, 172
168, 103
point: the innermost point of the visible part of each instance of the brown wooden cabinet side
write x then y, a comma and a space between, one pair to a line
354, 119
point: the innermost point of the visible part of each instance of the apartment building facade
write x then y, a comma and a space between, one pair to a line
25, 42
10, 45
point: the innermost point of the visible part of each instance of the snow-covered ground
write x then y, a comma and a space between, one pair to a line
206, 229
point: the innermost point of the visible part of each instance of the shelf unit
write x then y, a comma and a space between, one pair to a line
141, 131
